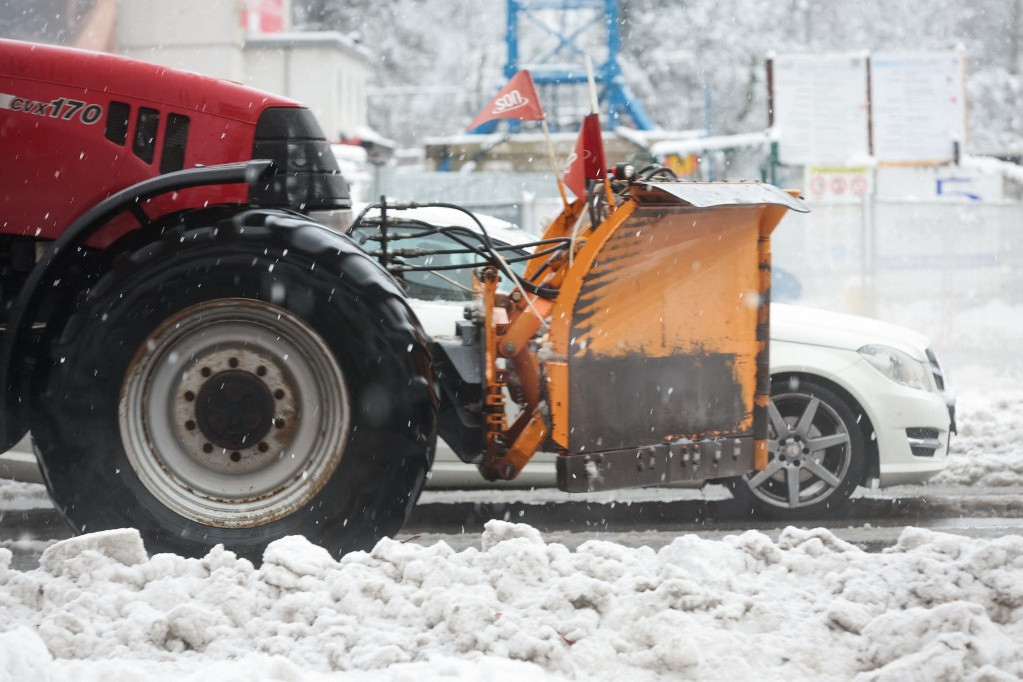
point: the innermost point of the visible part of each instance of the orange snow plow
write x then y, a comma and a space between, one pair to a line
643, 359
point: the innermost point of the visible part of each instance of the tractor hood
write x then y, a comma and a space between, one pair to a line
801, 324
122, 77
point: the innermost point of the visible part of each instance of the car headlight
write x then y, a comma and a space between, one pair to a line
897, 366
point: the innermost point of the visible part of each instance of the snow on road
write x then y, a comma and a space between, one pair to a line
806, 606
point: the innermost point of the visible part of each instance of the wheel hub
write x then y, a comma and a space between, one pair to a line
238, 409
234, 410
801, 472
234, 413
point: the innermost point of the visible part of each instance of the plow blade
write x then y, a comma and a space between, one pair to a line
659, 370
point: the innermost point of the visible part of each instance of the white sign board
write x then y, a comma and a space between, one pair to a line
820, 108
919, 106
838, 184
938, 183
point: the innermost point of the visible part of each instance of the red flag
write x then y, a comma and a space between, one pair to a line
517, 99
587, 161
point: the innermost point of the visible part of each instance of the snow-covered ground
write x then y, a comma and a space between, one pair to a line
988, 450
808, 606
803, 606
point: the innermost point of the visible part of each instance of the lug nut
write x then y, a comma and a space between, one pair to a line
236, 456
207, 447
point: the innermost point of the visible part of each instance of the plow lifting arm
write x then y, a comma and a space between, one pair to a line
529, 431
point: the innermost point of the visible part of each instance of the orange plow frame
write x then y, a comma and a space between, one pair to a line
650, 364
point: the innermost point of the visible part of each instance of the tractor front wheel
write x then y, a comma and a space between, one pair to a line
234, 384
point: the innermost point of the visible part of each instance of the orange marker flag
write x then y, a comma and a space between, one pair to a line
517, 99
587, 161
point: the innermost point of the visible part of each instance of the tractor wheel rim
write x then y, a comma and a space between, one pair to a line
234, 413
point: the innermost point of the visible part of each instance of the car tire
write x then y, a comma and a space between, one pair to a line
236, 383
816, 459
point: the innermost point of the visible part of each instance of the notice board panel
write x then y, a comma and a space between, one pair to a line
919, 106
820, 108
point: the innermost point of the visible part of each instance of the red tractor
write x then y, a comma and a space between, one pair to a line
142, 247
196, 357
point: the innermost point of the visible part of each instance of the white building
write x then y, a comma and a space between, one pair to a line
326, 71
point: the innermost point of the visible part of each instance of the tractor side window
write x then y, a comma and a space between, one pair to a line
118, 114
144, 144
175, 137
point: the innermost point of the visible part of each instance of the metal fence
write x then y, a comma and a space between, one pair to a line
525, 199
951, 270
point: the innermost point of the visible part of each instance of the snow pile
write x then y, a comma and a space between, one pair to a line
16, 495
808, 606
993, 327
988, 450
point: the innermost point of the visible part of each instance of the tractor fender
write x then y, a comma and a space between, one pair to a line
16, 343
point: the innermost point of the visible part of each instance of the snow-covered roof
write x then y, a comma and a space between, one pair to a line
993, 166
329, 39
691, 145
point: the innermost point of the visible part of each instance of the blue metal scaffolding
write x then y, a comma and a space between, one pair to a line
613, 93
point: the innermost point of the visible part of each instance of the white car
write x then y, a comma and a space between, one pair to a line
855, 401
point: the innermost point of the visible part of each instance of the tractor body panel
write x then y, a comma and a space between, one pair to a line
75, 126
